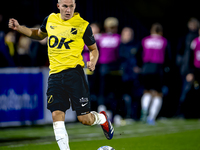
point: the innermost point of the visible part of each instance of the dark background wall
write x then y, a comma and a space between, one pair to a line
140, 14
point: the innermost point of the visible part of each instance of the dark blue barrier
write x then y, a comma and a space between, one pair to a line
21, 98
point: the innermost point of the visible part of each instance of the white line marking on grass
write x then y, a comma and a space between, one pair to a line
17, 145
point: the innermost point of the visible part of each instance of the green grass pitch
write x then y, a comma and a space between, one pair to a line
167, 134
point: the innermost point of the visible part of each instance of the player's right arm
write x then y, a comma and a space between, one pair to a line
33, 33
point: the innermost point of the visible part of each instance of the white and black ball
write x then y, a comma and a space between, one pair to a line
105, 148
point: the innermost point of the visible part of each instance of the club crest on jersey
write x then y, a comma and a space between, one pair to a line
50, 99
74, 31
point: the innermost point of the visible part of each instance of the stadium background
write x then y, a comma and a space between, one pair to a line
139, 14
173, 15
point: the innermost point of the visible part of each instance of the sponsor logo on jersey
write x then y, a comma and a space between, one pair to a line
54, 41
53, 27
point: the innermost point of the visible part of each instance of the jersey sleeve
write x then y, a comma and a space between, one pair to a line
43, 26
88, 36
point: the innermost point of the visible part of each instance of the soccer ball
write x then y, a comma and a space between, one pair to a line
105, 148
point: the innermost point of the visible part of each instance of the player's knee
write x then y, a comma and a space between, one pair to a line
85, 119
156, 93
58, 116
146, 92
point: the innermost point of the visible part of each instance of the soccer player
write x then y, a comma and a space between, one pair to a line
67, 33
193, 77
108, 44
183, 63
155, 54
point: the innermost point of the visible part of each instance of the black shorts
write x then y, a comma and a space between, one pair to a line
152, 76
68, 87
152, 82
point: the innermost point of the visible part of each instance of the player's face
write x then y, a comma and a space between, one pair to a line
66, 8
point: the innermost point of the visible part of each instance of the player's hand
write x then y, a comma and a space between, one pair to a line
190, 77
91, 66
13, 24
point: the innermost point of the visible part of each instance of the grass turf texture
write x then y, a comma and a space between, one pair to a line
168, 134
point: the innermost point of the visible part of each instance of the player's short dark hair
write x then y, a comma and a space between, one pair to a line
157, 27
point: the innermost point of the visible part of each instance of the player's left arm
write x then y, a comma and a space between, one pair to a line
94, 55
91, 44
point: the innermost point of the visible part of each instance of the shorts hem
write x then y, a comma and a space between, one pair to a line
80, 112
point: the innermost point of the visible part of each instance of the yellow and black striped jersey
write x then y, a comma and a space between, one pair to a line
66, 40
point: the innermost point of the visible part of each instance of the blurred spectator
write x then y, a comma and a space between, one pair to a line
38, 52
128, 51
10, 40
155, 53
23, 50
108, 44
182, 61
96, 29
193, 81
7, 49
195, 61
7, 45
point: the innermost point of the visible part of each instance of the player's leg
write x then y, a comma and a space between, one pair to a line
58, 107
155, 107
80, 99
101, 118
145, 102
106, 126
146, 97
92, 118
60, 130
156, 86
